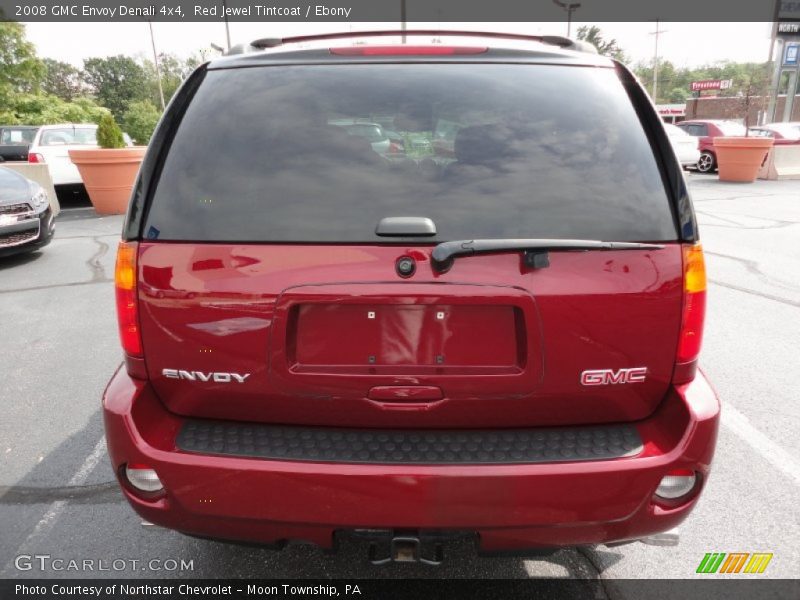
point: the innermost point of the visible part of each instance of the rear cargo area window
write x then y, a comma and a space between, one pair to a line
322, 153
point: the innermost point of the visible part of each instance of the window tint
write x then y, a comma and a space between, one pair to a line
13, 136
69, 135
730, 128
486, 151
372, 133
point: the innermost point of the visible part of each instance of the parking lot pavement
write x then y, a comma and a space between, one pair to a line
59, 346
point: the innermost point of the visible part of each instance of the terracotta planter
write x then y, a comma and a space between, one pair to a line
740, 158
108, 176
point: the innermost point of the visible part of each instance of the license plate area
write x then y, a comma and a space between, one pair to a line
402, 337
342, 340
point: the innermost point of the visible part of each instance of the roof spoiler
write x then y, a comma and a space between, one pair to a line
553, 40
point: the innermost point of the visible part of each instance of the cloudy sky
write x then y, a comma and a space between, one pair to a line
685, 44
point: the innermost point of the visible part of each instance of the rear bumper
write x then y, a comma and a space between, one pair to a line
510, 506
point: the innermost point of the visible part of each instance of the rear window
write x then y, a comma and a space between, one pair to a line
11, 136
731, 128
288, 154
69, 135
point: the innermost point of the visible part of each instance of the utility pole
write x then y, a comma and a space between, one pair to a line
158, 68
656, 33
227, 26
570, 7
403, 19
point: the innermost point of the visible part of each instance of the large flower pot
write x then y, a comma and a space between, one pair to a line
739, 158
108, 175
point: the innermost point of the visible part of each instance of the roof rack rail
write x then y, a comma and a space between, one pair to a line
553, 40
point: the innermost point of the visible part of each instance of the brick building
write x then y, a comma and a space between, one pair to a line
733, 108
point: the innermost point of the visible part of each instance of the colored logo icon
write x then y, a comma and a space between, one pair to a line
734, 562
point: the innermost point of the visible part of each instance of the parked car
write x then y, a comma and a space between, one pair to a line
782, 133
15, 141
706, 131
26, 220
506, 351
52, 143
686, 147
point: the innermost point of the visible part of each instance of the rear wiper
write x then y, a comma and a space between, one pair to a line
535, 249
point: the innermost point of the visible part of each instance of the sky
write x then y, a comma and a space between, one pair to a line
684, 44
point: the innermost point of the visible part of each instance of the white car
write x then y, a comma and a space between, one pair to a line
686, 147
52, 144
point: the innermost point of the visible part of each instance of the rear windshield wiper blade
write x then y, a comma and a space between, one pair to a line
444, 253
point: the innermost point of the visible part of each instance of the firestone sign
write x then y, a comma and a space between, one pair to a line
711, 84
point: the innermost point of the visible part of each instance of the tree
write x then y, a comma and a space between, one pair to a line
674, 81
140, 120
173, 72
62, 80
116, 81
44, 109
753, 92
609, 48
678, 95
20, 69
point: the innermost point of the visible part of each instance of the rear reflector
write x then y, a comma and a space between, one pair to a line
143, 478
127, 305
407, 50
694, 312
676, 484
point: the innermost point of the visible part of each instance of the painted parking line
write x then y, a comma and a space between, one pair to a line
769, 450
49, 518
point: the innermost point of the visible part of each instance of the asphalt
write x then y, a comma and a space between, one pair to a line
58, 348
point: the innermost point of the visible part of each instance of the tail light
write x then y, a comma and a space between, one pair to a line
406, 50
35, 157
694, 313
128, 309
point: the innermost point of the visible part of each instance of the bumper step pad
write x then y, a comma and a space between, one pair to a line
429, 447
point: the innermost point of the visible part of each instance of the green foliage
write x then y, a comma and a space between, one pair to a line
20, 69
109, 135
140, 120
62, 80
116, 81
43, 109
609, 48
671, 78
173, 72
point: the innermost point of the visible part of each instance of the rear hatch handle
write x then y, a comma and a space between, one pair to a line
535, 249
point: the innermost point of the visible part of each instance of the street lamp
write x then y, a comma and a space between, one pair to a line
570, 7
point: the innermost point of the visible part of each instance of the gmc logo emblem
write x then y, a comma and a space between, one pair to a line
611, 376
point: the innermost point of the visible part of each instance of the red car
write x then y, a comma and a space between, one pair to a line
707, 131
783, 133
501, 344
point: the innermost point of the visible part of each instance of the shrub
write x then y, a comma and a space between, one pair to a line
109, 135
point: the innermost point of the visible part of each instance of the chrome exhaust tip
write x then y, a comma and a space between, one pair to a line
666, 538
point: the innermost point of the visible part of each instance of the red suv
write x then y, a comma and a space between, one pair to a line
321, 340
707, 131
